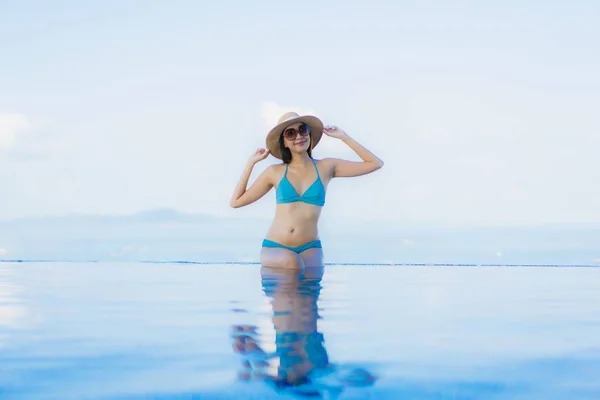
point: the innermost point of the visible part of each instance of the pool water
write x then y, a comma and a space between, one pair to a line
184, 331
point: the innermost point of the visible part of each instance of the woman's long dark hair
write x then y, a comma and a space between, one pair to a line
286, 154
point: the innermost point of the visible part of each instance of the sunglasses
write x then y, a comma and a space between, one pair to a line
291, 133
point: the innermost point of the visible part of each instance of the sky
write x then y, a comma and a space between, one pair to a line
484, 112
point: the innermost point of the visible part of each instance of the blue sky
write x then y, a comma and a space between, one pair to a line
483, 112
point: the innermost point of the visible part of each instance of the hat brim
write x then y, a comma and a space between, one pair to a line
316, 132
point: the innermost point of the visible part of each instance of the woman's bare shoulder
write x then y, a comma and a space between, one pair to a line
325, 162
274, 170
325, 165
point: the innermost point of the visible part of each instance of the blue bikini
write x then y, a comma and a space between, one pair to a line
315, 194
286, 193
296, 249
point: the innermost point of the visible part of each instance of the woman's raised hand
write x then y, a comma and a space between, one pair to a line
258, 155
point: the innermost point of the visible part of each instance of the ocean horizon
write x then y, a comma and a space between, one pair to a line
168, 235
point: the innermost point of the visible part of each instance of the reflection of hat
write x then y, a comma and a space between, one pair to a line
315, 124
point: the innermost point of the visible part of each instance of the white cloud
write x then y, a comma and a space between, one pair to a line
2, 251
11, 124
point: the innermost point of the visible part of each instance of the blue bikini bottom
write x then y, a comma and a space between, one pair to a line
297, 249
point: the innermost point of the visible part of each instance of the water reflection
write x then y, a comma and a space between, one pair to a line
300, 363
11, 311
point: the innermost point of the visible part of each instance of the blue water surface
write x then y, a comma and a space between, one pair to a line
185, 331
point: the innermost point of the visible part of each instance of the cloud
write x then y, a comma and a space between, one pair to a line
2, 251
11, 124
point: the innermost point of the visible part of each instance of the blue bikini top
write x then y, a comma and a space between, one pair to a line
315, 194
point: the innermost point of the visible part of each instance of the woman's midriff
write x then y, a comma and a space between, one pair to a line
294, 224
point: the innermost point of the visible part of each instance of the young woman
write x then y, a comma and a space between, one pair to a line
301, 184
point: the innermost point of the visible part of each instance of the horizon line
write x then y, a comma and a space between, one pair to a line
178, 213
373, 264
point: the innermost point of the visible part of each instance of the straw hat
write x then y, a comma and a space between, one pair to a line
315, 124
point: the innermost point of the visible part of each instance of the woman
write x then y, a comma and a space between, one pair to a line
301, 184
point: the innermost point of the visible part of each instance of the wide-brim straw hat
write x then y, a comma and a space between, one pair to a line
315, 124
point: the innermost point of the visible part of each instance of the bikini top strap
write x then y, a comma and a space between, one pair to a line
316, 169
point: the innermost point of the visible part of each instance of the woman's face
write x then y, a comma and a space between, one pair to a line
297, 137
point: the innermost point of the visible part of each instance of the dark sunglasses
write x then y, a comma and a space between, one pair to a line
291, 133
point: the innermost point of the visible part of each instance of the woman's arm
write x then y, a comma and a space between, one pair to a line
344, 168
241, 196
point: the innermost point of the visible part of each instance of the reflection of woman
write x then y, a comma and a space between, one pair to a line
300, 359
300, 183
294, 296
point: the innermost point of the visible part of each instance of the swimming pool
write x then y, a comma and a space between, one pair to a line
184, 331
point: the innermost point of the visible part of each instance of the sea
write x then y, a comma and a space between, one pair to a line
167, 307
181, 330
